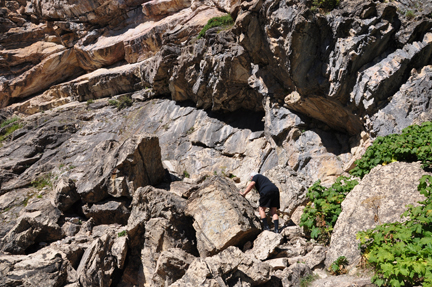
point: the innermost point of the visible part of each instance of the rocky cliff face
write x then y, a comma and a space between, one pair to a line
131, 126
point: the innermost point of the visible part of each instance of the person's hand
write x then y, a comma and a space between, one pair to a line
242, 194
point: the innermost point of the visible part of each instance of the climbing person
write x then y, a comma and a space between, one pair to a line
269, 198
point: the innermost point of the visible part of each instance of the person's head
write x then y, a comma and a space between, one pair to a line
253, 174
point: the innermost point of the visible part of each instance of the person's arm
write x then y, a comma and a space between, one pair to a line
248, 188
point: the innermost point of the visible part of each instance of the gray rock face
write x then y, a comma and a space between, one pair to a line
381, 197
108, 212
228, 267
130, 165
65, 194
47, 267
171, 266
265, 245
101, 259
408, 106
37, 222
222, 217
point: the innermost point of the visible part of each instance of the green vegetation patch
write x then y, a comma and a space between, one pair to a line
121, 103
414, 144
223, 21
43, 181
122, 233
10, 129
401, 252
307, 280
338, 266
325, 4
8, 121
321, 213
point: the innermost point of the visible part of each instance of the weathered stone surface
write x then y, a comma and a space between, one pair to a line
314, 258
171, 266
377, 82
292, 275
162, 7
265, 244
222, 217
408, 106
157, 224
108, 212
381, 197
57, 67
65, 194
132, 164
342, 281
47, 267
278, 263
37, 222
101, 259
228, 267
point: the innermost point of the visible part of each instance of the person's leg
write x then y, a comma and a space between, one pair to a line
273, 212
263, 217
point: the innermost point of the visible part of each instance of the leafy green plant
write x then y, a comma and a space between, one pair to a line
122, 233
401, 252
338, 266
414, 144
321, 213
223, 21
89, 102
307, 280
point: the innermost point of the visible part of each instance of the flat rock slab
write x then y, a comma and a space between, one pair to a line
222, 216
381, 197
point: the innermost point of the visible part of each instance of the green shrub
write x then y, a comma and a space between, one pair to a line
326, 4
186, 174
305, 281
122, 233
8, 121
223, 21
401, 252
124, 102
321, 213
42, 182
9, 130
414, 144
410, 15
113, 103
338, 266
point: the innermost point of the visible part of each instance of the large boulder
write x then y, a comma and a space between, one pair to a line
171, 266
381, 197
38, 222
265, 245
222, 217
124, 168
108, 212
47, 267
156, 225
103, 257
